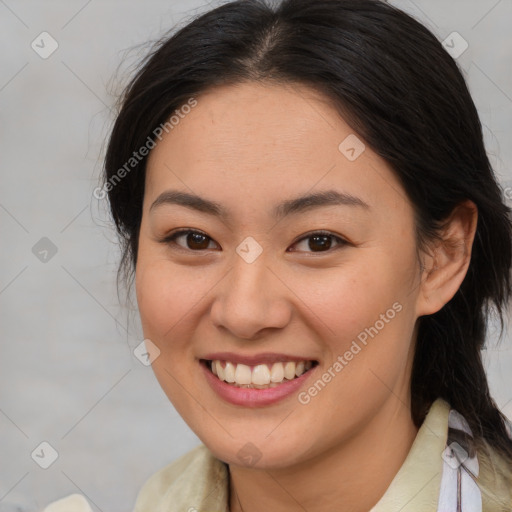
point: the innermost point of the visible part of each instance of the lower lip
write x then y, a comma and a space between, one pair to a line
252, 397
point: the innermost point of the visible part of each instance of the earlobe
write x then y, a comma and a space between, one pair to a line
446, 265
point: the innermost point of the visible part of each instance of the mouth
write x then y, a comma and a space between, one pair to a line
258, 376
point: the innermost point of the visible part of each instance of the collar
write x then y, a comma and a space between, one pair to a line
199, 481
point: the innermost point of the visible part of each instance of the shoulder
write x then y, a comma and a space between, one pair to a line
71, 503
195, 480
494, 479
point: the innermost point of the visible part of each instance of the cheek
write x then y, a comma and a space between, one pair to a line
364, 313
352, 298
167, 294
167, 297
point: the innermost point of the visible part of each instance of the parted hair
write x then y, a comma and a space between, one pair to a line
393, 82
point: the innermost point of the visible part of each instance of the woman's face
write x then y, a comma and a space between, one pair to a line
260, 290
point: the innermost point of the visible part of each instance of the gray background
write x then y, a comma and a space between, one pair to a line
68, 374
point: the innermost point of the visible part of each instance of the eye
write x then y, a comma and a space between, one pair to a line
321, 241
194, 240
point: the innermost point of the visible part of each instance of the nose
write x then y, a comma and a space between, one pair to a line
251, 300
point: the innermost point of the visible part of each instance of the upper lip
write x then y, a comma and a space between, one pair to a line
253, 360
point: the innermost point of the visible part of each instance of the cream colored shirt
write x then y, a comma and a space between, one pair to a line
199, 482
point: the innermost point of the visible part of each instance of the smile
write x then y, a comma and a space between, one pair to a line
256, 381
260, 376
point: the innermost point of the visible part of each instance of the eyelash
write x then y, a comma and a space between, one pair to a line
171, 239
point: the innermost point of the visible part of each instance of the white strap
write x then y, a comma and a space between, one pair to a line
459, 492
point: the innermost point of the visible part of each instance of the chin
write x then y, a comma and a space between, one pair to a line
270, 454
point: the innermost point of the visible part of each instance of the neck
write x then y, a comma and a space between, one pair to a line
356, 473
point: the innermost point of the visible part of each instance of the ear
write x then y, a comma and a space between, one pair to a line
446, 264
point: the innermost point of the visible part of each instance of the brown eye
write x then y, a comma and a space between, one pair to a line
197, 241
193, 240
321, 241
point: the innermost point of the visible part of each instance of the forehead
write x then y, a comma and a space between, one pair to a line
254, 123
267, 140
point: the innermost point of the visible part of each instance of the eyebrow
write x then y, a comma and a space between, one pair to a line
296, 205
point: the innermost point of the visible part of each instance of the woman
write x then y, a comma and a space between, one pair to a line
317, 239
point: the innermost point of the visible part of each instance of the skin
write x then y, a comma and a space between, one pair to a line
249, 147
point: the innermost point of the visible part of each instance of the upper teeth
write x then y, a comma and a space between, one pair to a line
261, 374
